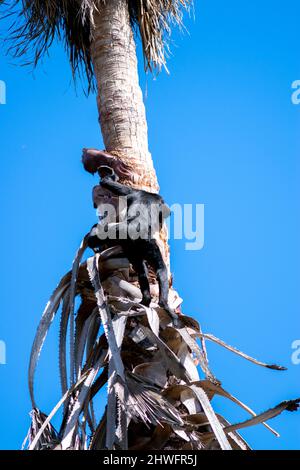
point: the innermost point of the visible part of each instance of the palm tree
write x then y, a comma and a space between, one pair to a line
156, 399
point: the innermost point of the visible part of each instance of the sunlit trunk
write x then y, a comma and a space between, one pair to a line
122, 114
120, 102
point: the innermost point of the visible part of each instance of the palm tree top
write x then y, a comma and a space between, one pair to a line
37, 23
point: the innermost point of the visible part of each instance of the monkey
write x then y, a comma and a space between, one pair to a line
139, 221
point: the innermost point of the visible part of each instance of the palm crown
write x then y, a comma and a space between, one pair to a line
38, 23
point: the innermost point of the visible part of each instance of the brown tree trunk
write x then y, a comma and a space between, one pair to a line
122, 113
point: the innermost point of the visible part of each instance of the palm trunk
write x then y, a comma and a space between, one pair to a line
153, 381
122, 113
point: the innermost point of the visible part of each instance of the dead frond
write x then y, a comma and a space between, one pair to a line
154, 19
156, 396
36, 24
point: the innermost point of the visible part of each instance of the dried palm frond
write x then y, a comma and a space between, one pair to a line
36, 24
41, 432
156, 396
154, 19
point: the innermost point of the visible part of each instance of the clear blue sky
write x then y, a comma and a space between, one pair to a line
223, 132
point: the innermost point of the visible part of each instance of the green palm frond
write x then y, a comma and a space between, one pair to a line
36, 24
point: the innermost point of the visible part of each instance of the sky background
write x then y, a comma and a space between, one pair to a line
223, 132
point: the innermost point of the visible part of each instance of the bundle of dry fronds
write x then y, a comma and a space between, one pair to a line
38, 23
156, 397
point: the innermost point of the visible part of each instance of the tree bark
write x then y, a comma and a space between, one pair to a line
121, 109
122, 114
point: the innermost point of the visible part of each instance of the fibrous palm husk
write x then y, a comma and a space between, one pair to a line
159, 383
